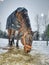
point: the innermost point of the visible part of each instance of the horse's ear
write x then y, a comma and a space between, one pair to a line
33, 32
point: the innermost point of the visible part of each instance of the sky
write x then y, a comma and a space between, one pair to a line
34, 7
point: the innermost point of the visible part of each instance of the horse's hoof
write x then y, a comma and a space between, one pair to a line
8, 45
17, 47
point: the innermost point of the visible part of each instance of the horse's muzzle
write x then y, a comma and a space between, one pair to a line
27, 48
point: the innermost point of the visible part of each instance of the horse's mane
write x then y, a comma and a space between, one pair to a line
27, 20
24, 15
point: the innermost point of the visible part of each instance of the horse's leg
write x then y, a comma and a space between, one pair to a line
18, 37
12, 36
9, 37
17, 41
17, 44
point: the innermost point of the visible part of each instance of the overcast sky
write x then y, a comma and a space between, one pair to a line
34, 7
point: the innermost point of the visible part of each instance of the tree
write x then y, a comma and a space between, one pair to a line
47, 33
36, 19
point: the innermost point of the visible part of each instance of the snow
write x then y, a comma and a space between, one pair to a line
40, 46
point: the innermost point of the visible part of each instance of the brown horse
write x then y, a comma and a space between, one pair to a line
25, 33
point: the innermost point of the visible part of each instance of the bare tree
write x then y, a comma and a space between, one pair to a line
45, 17
36, 19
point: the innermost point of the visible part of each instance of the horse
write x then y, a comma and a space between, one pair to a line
20, 17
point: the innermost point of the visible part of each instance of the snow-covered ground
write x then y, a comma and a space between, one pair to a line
40, 46
39, 54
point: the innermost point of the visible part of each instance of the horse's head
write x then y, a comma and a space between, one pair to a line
28, 41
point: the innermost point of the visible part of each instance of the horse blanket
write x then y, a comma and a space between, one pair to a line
12, 22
